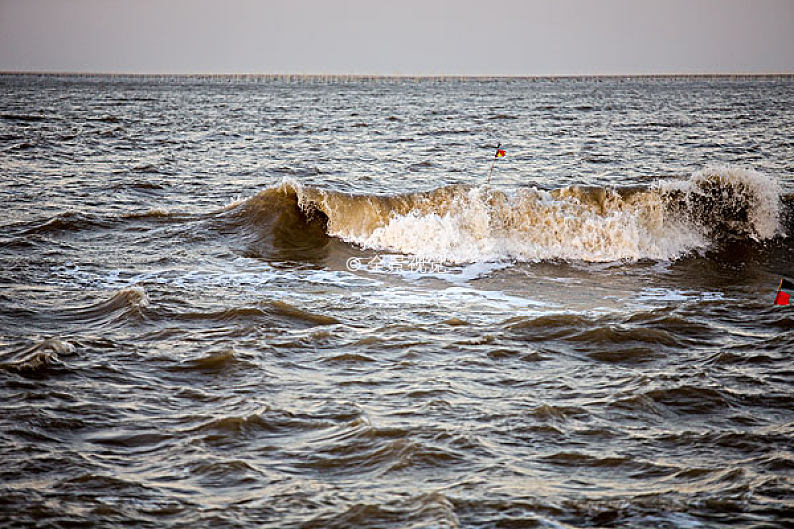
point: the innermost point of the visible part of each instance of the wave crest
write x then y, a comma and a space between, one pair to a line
728, 201
460, 223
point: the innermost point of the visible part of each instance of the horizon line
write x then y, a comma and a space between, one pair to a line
366, 76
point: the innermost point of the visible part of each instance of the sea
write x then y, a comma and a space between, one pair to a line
323, 302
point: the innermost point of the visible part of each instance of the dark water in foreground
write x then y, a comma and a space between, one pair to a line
294, 304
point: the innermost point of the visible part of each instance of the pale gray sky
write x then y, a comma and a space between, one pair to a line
508, 37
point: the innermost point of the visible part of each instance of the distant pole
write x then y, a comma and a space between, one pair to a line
495, 156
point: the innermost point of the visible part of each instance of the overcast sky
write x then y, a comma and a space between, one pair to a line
508, 37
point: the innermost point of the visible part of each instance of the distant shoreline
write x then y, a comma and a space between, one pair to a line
373, 77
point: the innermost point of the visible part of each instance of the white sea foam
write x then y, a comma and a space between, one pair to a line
663, 222
534, 225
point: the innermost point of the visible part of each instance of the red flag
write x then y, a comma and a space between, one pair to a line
784, 292
782, 298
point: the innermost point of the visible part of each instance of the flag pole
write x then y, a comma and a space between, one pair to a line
495, 156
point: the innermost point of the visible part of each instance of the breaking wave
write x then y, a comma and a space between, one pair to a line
459, 224
37, 357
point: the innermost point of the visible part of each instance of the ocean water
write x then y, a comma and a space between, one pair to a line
297, 302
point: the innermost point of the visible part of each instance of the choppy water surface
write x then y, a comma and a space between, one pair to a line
274, 303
